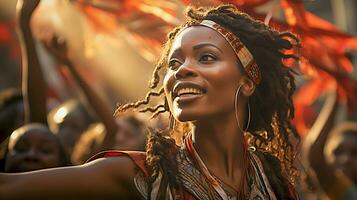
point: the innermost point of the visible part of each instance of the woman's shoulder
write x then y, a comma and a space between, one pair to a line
126, 159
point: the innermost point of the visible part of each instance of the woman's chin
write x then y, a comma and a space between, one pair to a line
186, 117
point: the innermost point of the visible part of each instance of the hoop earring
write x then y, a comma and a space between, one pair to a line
172, 123
236, 112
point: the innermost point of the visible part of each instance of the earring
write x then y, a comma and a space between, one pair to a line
236, 110
172, 121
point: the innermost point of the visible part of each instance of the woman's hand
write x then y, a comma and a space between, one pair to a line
57, 46
24, 10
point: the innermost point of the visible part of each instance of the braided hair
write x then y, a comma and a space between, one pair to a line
270, 130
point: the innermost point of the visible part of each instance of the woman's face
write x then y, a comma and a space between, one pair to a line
202, 75
32, 150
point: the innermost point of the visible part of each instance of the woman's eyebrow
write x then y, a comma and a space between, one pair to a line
199, 46
175, 52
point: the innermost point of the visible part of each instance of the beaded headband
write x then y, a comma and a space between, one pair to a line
243, 54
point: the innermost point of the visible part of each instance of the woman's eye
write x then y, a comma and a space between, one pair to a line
174, 63
207, 58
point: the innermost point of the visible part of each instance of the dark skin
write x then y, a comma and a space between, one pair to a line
199, 58
74, 182
58, 49
33, 80
31, 148
217, 137
66, 182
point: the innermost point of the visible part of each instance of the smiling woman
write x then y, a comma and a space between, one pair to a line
199, 58
224, 83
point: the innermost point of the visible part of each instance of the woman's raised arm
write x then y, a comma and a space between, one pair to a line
58, 48
105, 178
33, 83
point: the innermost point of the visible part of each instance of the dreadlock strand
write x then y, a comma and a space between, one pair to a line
156, 77
158, 112
152, 109
137, 104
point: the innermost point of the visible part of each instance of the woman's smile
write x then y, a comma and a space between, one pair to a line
202, 75
186, 92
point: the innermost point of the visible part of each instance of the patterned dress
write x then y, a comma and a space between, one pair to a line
194, 181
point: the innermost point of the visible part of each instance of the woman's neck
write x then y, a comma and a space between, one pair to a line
219, 143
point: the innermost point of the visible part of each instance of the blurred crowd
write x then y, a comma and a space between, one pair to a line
38, 133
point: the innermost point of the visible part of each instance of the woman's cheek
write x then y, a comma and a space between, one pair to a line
168, 82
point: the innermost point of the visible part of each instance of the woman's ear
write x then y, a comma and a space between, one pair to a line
248, 86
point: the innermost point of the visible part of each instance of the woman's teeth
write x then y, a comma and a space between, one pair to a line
193, 91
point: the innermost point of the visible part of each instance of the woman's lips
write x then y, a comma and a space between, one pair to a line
185, 92
181, 88
187, 98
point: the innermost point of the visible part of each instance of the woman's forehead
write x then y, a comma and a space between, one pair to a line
194, 35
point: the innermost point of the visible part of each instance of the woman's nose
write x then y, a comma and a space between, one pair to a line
185, 70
